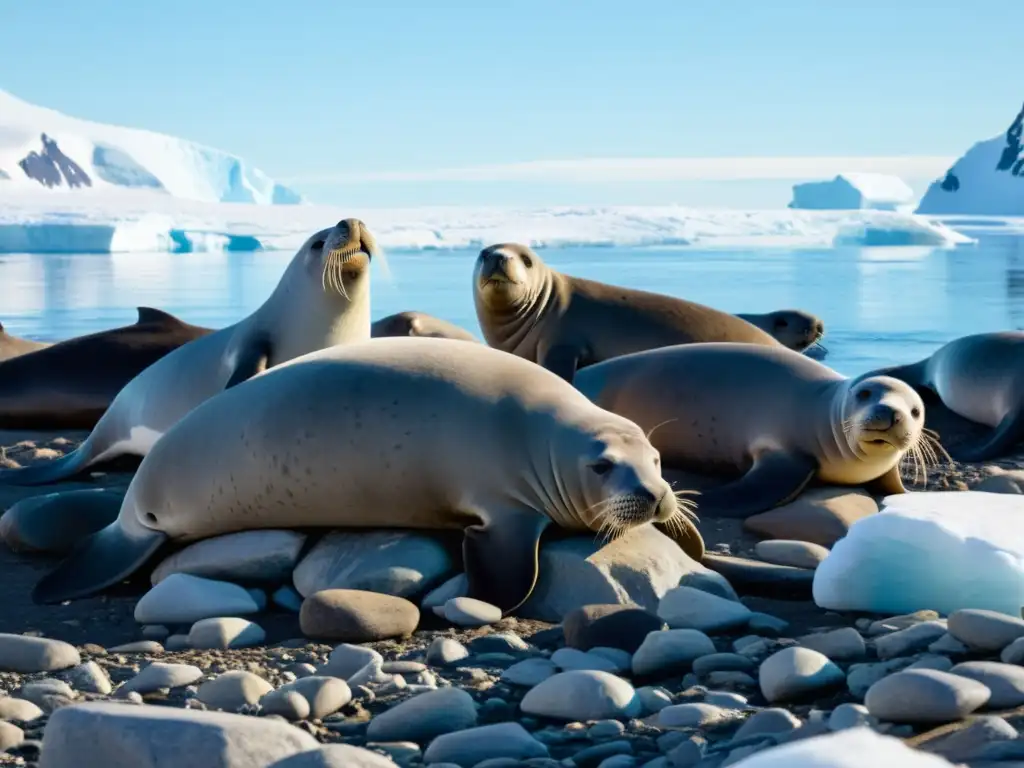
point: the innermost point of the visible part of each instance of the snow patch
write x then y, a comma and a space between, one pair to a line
852, 191
938, 550
852, 748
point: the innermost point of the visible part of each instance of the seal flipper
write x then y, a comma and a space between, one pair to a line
1002, 441
775, 478
889, 484
153, 315
562, 360
253, 358
53, 471
55, 522
500, 558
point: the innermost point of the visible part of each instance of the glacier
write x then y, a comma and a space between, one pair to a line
938, 550
847, 191
43, 149
987, 181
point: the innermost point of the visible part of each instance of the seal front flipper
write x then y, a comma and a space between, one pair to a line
500, 557
562, 360
889, 484
253, 357
1001, 442
775, 478
55, 522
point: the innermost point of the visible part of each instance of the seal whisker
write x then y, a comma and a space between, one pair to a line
659, 426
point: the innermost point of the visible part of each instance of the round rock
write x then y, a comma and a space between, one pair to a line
160, 675
224, 633
799, 554
20, 653
1005, 681
232, 690
355, 616
424, 717
610, 626
794, 673
985, 630
468, 612
325, 695
184, 599
670, 650
690, 608
925, 696
21, 710
582, 695
260, 556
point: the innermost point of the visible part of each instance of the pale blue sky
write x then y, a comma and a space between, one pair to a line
312, 90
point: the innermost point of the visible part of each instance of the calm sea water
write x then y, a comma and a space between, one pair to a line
880, 305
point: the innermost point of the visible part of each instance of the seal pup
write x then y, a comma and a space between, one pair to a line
419, 324
792, 328
392, 433
980, 378
322, 299
566, 323
13, 346
768, 418
70, 384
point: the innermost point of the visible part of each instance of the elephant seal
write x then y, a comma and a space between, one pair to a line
70, 384
418, 324
981, 378
12, 346
768, 418
566, 323
792, 328
391, 433
322, 299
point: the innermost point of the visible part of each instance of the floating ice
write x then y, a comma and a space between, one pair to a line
943, 550
853, 191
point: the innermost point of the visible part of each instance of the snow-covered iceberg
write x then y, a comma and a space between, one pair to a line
43, 149
851, 191
939, 550
987, 181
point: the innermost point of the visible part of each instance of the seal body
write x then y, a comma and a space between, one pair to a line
70, 384
392, 433
769, 419
322, 299
792, 328
418, 324
981, 378
566, 323
13, 346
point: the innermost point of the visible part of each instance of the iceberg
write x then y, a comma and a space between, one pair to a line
852, 748
987, 181
938, 550
43, 149
847, 191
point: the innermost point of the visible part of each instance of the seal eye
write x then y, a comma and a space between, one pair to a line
864, 394
527, 261
602, 467
915, 412
317, 245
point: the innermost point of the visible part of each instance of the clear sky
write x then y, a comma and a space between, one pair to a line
378, 101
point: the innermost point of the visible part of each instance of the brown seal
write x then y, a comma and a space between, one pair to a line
792, 328
13, 346
418, 324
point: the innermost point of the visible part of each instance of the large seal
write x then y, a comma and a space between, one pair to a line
393, 433
71, 384
14, 346
769, 419
792, 328
418, 324
322, 299
566, 323
981, 378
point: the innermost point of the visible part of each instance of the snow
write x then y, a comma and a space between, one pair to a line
151, 221
44, 150
987, 181
852, 748
938, 550
874, 191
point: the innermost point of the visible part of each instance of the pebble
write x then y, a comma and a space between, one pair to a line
670, 650
325, 695
860, 677
949, 645
42, 692
222, 633
653, 698
904, 642
176, 643
262, 556
139, 646
731, 679
159, 675
472, 746
20, 653
605, 729
11, 736
232, 690
932, 661
570, 658
18, 709
895, 623
498, 642
469, 612
694, 715
819, 515
346, 659
445, 650
424, 717
156, 632
925, 696
772, 720
456, 586
1005, 681
686, 754
184, 599
609, 625
689, 608
335, 756
841, 644
372, 674
795, 672
286, 597
354, 616
963, 745
799, 554
592, 757
90, 677
529, 672
766, 624
582, 695
621, 660
985, 630
291, 705
849, 715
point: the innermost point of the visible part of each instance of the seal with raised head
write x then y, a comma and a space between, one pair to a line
767, 418
980, 378
566, 323
418, 324
392, 433
792, 328
322, 299
70, 384
14, 346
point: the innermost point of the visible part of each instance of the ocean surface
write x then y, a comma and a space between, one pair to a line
881, 306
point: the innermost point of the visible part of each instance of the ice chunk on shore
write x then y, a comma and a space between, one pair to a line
853, 191
943, 550
852, 748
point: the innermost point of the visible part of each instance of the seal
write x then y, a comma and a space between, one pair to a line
566, 323
980, 378
13, 346
792, 328
392, 433
767, 418
322, 299
418, 324
71, 384
54, 522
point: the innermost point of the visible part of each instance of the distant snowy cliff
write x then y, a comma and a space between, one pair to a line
853, 191
987, 181
41, 148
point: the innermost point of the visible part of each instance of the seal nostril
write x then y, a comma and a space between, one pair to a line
150, 518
